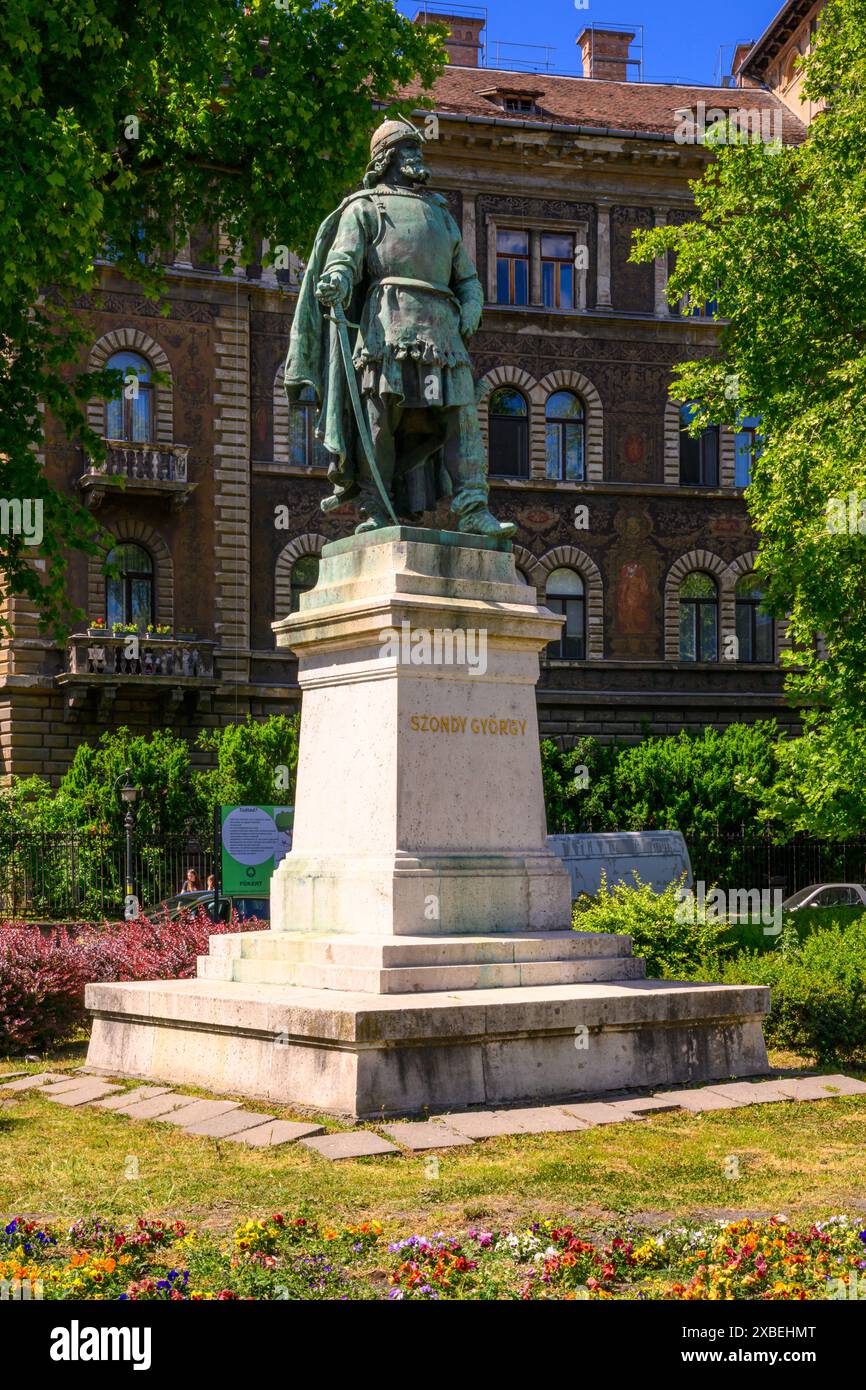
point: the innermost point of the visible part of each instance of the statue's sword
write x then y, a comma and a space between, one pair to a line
339, 318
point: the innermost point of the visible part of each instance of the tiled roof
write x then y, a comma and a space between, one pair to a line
648, 107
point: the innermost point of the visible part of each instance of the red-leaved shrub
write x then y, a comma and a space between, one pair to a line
42, 978
41, 988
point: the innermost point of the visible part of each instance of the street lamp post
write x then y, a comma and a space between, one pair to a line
128, 794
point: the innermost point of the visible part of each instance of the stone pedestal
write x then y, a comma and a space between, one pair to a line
420, 954
420, 808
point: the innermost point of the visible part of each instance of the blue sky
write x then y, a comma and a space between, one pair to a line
681, 37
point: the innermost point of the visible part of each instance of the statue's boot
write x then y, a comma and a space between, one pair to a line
481, 522
374, 514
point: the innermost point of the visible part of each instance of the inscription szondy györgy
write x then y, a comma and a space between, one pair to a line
462, 724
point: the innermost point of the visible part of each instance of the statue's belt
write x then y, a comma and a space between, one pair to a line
407, 283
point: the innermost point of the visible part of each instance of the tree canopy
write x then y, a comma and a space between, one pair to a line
123, 128
780, 243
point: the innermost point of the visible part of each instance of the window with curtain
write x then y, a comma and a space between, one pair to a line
755, 636
699, 458
509, 434
305, 572
699, 618
557, 270
512, 267
565, 437
129, 591
304, 448
565, 594
130, 416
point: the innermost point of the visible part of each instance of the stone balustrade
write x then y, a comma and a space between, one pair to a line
143, 656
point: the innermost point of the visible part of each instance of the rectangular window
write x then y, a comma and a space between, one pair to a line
747, 442
699, 459
557, 270
755, 633
512, 267
509, 448
571, 646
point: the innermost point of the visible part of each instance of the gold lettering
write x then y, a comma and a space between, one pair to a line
414, 722
475, 727
523, 726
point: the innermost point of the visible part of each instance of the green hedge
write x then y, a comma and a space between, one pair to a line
816, 968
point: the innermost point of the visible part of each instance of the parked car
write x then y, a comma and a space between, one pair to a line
243, 906
827, 895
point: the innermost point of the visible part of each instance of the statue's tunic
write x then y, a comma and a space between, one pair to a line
405, 248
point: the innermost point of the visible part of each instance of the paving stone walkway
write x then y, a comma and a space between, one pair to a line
226, 1119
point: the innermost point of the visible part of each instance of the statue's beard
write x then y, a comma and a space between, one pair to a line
415, 171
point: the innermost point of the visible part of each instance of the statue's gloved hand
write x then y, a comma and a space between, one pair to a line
333, 287
470, 318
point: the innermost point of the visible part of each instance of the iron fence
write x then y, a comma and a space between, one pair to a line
64, 876
740, 860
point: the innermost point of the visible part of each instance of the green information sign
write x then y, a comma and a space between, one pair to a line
253, 841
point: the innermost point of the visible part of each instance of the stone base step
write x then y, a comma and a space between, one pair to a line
362, 1056
420, 950
413, 979
418, 965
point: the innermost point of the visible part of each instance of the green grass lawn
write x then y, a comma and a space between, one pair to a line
805, 1160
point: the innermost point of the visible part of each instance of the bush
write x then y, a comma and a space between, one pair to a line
676, 943
699, 785
41, 988
817, 991
42, 978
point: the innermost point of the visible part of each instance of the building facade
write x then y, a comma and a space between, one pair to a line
636, 533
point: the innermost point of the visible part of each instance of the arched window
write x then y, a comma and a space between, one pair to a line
699, 618
130, 415
129, 590
565, 437
509, 434
305, 572
565, 594
699, 458
305, 450
754, 625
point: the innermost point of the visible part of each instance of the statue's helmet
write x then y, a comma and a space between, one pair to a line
390, 133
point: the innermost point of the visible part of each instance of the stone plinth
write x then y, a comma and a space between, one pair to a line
420, 807
420, 954
367, 1055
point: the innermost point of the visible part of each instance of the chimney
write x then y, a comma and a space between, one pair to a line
463, 43
738, 79
605, 53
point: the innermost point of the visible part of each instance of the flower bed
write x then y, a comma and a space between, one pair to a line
281, 1257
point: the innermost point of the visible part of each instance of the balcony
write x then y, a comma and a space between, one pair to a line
143, 470
178, 671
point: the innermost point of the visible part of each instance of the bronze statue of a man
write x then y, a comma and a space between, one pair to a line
397, 400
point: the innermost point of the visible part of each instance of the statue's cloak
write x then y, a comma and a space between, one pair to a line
314, 359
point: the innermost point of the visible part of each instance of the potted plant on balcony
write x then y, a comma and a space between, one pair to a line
158, 630
185, 634
96, 627
122, 629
